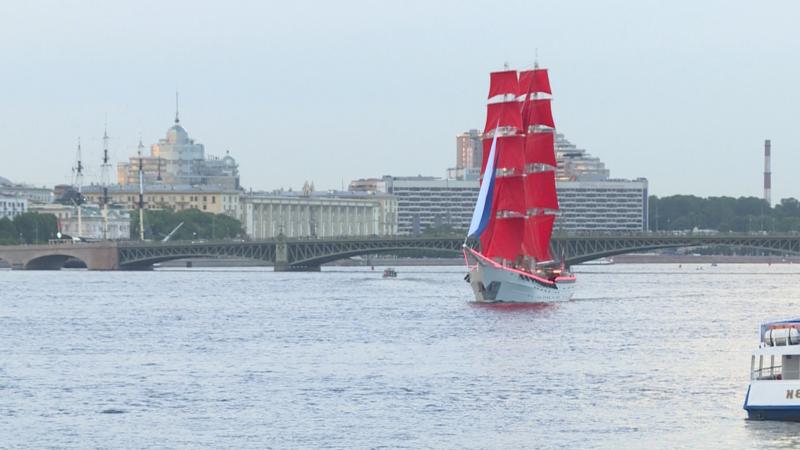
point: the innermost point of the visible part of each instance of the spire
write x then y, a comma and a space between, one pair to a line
105, 142
177, 119
140, 147
536, 58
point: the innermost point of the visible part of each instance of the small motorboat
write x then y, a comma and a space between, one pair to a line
774, 390
389, 273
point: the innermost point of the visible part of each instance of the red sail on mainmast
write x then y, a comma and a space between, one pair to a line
540, 190
537, 112
538, 229
534, 81
539, 149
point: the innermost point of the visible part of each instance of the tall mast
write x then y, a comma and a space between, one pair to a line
79, 183
141, 192
105, 174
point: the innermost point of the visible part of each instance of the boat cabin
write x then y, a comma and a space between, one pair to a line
778, 355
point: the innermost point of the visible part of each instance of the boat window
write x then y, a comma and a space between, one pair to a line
791, 367
768, 368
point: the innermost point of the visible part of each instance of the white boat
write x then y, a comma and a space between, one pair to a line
599, 262
517, 202
774, 390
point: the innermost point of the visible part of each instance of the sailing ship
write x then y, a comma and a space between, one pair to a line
517, 202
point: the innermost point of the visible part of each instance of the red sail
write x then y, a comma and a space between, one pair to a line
539, 149
537, 112
486, 236
508, 113
536, 242
510, 153
507, 235
531, 81
509, 194
540, 190
502, 83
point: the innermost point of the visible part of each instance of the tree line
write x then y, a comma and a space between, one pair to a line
725, 214
28, 228
197, 225
35, 228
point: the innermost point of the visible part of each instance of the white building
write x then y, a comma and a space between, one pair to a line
609, 205
178, 159
32, 193
425, 202
318, 214
119, 223
589, 200
11, 207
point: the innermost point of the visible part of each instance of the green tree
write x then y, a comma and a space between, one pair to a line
8, 232
196, 225
35, 228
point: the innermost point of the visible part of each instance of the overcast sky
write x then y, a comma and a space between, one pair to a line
680, 92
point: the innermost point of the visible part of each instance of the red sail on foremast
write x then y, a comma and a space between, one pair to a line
506, 240
510, 195
503, 83
506, 113
510, 154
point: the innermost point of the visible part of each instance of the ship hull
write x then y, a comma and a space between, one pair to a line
773, 400
492, 283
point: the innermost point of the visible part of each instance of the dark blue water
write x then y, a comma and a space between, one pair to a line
649, 356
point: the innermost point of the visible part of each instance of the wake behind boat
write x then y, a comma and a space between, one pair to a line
517, 202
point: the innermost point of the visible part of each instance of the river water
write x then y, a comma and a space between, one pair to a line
652, 356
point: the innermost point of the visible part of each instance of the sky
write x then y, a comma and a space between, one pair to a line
682, 93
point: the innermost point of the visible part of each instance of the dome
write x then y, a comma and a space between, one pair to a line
229, 161
177, 135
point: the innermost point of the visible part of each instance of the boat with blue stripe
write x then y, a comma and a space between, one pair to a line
774, 390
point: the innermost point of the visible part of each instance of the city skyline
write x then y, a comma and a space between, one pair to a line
681, 94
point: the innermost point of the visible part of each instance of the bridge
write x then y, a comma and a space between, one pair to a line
310, 254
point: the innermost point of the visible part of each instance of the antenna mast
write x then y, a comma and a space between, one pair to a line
79, 183
105, 174
141, 191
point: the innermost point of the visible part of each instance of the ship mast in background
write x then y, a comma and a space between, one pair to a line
105, 174
78, 181
141, 191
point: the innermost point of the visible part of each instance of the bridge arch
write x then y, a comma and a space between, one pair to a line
565, 247
52, 262
318, 261
134, 257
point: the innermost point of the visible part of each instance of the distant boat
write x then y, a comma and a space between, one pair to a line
599, 262
517, 202
389, 273
775, 373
